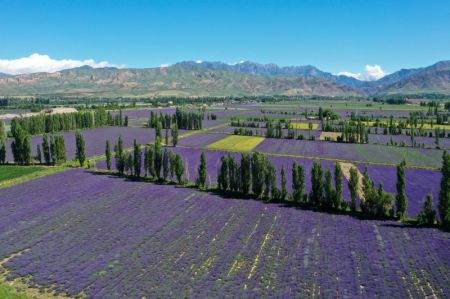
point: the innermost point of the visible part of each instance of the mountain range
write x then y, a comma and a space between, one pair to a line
220, 79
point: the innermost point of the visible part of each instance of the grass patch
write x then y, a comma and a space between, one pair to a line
25, 173
9, 172
236, 143
6, 292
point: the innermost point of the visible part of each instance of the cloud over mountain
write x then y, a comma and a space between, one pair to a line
373, 72
43, 63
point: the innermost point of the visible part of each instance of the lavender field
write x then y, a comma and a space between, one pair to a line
107, 237
95, 140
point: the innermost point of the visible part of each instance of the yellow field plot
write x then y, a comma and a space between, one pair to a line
304, 126
236, 143
329, 135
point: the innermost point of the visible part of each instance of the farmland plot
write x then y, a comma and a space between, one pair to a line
108, 237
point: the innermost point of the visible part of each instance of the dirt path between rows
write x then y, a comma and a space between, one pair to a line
345, 166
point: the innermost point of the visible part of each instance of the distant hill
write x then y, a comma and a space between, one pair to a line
271, 69
182, 79
247, 78
427, 80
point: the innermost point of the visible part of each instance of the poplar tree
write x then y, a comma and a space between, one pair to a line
428, 215
120, 156
158, 157
179, 168
298, 181
444, 193
258, 173
401, 198
233, 173
175, 135
284, 190
246, 173
167, 137
38, 153
46, 150
2, 152
80, 152
317, 185
172, 164
329, 190
353, 185
166, 165
158, 130
137, 158
151, 162
338, 197
108, 155
202, 172
223, 179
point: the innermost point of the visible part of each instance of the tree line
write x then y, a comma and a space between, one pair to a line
50, 123
185, 120
256, 176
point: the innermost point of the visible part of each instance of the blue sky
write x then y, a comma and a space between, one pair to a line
335, 36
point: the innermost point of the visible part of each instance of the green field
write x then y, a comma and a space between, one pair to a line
9, 172
7, 292
236, 143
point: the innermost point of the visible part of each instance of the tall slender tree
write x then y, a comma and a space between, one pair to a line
137, 158
317, 185
401, 198
80, 152
284, 190
223, 179
353, 186
2, 152
338, 197
444, 193
46, 149
158, 157
175, 135
179, 168
246, 173
166, 165
108, 155
202, 171
120, 156
329, 190
38, 153
258, 174
428, 215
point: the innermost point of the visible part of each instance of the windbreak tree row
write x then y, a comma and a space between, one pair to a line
185, 120
50, 123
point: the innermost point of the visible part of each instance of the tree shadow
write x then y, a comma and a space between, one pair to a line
382, 221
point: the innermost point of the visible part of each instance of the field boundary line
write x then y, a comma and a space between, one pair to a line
315, 158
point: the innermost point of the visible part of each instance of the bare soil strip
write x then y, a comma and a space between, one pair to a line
345, 166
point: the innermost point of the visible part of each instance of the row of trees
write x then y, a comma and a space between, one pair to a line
185, 120
49, 123
159, 164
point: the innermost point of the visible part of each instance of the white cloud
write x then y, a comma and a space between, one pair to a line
164, 65
198, 61
373, 72
43, 63
237, 62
